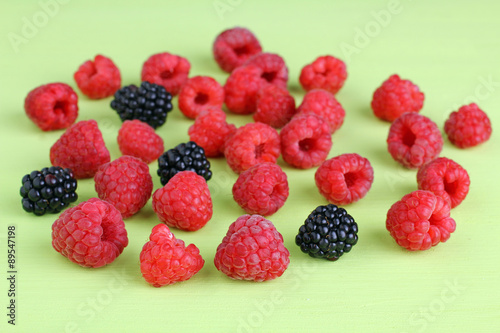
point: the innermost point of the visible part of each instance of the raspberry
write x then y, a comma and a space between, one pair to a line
81, 148
273, 67
166, 260
252, 250
140, 140
328, 232
324, 104
185, 202
125, 183
167, 70
241, 89
49, 190
305, 141
185, 156
149, 103
262, 189
326, 72
91, 234
252, 144
198, 93
210, 131
99, 78
414, 140
395, 97
420, 220
233, 47
52, 106
344, 179
275, 106
445, 178
468, 127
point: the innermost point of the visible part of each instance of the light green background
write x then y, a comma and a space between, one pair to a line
450, 49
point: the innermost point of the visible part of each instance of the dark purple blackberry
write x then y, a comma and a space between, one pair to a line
185, 157
328, 232
149, 103
50, 190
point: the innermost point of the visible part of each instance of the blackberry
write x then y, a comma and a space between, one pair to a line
50, 190
186, 156
149, 103
328, 232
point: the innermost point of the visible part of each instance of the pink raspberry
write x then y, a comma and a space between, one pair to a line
199, 93
326, 72
252, 250
184, 202
324, 104
99, 78
305, 141
275, 106
233, 47
52, 106
261, 189
395, 97
138, 139
166, 260
420, 220
414, 140
445, 178
91, 234
210, 131
81, 148
242, 87
252, 144
274, 70
468, 127
167, 70
344, 179
125, 183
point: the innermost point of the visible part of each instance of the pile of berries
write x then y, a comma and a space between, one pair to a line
93, 233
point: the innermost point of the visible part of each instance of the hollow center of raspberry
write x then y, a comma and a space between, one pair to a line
450, 187
306, 144
201, 98
60, 107
268, 76
92, 70
350, 178
408, 138
240, 51
166, 75
259, 150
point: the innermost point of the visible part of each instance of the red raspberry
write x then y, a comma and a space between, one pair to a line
275, 106
445, 178
99, 78
81, 148
233, 47
468, 127
241, 89
167, 260
262, 189
125, 183
395, 97
252, 250
274, 70
52, 106
324, 104
305, 141
167, 70
138, 139
184, 202
198, 93
252, 144
420, 220
325, 72
91, 234
414, 140
344, 179
210, 131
